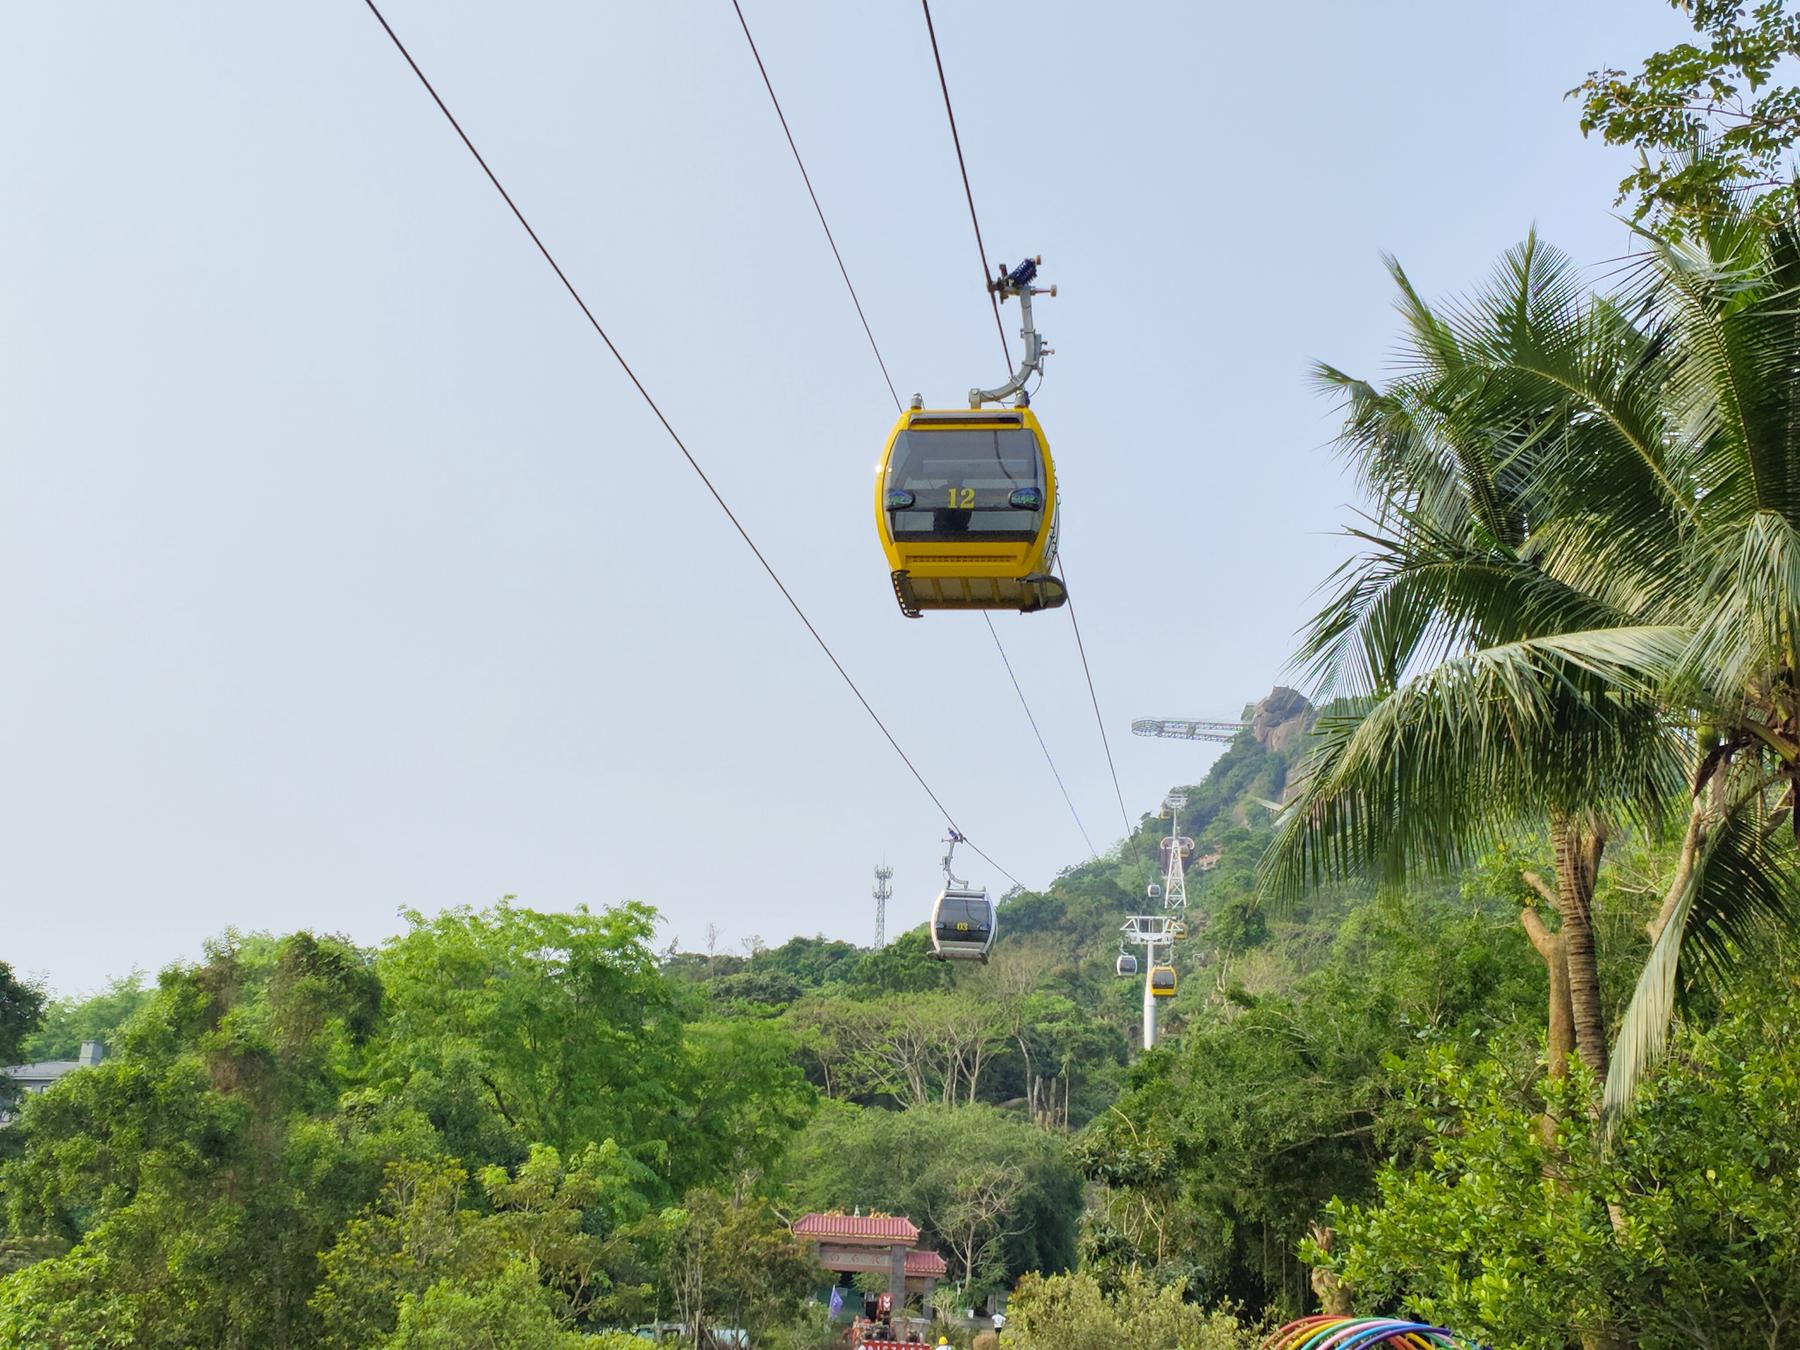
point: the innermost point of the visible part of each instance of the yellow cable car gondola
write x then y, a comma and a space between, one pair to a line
1162, 981
965, 498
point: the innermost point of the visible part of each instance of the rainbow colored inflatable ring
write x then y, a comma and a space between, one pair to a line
1325, 1332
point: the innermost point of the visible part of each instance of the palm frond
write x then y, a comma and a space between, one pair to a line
1636, 573
1425, 778
1420, 594
1741, 882
1732, 293
1391, 444
1748, 624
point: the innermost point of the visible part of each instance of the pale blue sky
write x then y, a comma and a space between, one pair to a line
341, 570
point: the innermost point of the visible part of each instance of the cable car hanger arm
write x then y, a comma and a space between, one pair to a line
1018, 282
950, 878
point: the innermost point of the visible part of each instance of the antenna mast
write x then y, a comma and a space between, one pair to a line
882, 893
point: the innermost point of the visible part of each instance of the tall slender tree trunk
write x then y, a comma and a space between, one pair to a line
1560, 1022
1561, 1019
1577, 862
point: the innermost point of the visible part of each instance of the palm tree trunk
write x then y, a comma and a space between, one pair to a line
1699, 817
1577, 865
1577, 859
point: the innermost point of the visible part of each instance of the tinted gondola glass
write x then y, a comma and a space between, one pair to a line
966, 484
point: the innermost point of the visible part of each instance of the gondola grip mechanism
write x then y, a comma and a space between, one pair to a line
1017, 282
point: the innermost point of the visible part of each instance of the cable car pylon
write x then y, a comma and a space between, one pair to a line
1158, 933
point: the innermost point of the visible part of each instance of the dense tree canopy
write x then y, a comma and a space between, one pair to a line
21, 1009
1685, 1233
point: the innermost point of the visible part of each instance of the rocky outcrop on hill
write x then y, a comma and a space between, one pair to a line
1280, 720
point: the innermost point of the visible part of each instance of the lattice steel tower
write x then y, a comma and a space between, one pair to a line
1176, 850
882, 893
1160, 932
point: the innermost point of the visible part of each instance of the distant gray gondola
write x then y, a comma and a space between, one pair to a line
1127, 964
962, 925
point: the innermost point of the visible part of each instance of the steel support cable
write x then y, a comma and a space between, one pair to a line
986, 276
806, 178
975, 221
693, 463
1040, 736
876, 348
1099, 721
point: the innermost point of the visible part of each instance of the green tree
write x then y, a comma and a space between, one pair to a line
1224, 1147
747, 1099
569, 1034
1072, 1312
511, 1311
995, 1195
21, 1009
192, 1172
1687, 1234
415, 1234
729, 1263
419, 1251
1709, 119
1454, 580
903, 966
97, 1017
917, 1049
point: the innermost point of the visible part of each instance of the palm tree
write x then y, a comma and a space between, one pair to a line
1578, 601
1454, 580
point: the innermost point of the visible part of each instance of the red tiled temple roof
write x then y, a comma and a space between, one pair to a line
856, 1226
925, 1263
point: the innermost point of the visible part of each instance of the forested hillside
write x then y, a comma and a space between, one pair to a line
539, 1125
278, 1125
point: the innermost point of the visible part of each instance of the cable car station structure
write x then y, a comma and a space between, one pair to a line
1188, 729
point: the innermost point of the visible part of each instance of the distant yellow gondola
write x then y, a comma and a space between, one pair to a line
965, 498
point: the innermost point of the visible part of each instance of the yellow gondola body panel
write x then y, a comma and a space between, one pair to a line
1162, 981
965, 503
